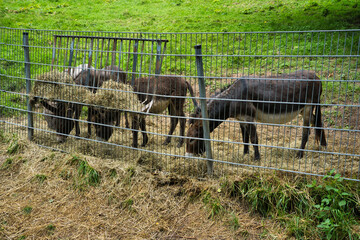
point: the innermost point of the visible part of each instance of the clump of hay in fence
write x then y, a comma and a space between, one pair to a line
115, 95
58, 85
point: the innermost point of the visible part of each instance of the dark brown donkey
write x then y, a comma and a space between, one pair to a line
276, 100
93, 79
59, 116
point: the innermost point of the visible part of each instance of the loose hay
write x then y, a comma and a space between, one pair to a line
129, 202
58, 85
114, 95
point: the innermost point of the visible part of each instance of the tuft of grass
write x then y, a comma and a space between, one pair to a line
27, 210
7, 164
40, 178
130, 173
127, 204
86, 175
112, 173
234, 222
50, 229
90, 175
13, 146
213, 204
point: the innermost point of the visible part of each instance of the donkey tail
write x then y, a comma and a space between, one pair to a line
192, 94
319, 131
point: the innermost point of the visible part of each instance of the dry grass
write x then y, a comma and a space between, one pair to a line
132, 201
115, 95
59, 85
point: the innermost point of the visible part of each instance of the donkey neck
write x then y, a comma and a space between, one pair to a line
221, 107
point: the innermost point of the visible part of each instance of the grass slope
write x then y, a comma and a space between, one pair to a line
180, 15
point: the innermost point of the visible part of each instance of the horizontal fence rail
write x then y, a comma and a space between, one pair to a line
284, 101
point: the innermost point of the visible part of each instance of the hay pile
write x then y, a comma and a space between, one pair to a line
60, 85
114, 95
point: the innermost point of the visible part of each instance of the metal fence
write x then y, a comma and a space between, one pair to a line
258, 111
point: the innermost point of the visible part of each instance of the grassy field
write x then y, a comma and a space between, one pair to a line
181, 15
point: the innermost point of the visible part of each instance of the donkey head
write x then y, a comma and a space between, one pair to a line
195, 144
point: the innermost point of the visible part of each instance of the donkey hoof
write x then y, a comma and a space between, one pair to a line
166, 142
300, 154
257, 158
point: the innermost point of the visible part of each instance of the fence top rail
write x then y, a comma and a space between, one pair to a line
112, 38
165, 33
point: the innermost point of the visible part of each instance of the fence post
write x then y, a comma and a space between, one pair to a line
28, 85
200, 71
134, 62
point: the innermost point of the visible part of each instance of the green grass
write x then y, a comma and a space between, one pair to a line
328, 208
180, 15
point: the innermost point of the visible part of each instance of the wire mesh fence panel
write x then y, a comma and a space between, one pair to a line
287, 101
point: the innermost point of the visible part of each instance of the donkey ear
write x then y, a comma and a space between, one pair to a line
191, 118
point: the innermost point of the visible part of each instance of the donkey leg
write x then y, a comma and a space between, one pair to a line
307, 114
173, 122
143, 129
78, 109
319, 132
127, 125
245, 137
254, 140
90, 113
135, 126
182, 128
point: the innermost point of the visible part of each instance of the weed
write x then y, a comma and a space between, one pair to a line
50, 229
333, 203
130, 173
87, 175
7, 164
40, 178
27, 210
90, 175
13, 146
234, 222
112, 173
127, 204
213, 204
65, 174
334, 207
3, 138
22, 237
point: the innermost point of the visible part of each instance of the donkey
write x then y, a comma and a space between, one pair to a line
93, 79
171, 94
276, 100
59, 116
